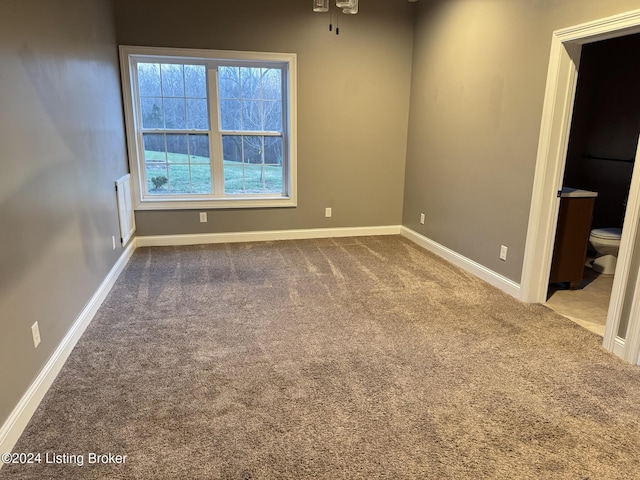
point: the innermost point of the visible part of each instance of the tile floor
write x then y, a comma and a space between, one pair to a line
586, 306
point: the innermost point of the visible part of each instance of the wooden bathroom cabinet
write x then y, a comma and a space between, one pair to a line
572, 236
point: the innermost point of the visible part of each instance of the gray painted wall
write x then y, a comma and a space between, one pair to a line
62, 148
353, 103
479, 73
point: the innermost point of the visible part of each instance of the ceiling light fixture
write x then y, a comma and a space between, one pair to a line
348, 6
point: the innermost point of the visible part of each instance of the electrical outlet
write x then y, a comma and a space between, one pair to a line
503, 253
203, 217
113, 242
327, 212
422, 218
35, 333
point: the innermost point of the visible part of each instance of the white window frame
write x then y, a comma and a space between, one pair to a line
129, 55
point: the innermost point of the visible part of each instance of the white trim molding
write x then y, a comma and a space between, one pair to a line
553, 142
626, 287
19, 418
619, 347
264, 236
499, 281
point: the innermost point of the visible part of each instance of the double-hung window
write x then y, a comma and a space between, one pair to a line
210, 129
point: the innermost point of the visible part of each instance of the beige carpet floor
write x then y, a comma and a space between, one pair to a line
354, 358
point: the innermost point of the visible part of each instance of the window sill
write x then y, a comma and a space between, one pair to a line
226, 203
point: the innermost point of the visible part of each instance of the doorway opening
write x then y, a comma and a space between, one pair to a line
622, 331
598, 170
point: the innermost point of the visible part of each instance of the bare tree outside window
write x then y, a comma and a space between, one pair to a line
251, 102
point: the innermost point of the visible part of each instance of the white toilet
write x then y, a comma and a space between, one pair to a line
605, 241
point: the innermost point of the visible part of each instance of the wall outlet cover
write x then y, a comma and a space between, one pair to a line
35, 333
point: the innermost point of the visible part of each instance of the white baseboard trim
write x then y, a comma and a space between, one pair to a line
262, 236
18, 419
480, 271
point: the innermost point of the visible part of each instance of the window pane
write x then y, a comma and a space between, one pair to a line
195, 77
199, 149
260, 106
177, 164
174, 113
272, 84
230, 115
273, 179
172, 80
272, 116
155, 162
254, 172
200, 179
177, 149
229, 82
250, 82
252, 149
273, 150
157, 178
252, 164
233, 167
197, 114
154, 148
149, 80
251, 115
233, 178
152, 116
274, 166
253, 178
179, 179
232, 148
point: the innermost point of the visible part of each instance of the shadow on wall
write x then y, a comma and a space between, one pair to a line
605, 126
50, 200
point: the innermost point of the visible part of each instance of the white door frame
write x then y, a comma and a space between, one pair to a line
562, 77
